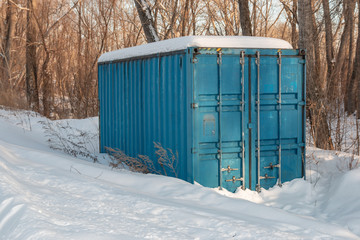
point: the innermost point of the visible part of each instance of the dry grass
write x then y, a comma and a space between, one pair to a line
166, 158
141, 163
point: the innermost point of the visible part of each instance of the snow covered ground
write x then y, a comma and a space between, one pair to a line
48, 194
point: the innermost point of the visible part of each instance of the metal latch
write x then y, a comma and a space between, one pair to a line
271, 166
229, 169
194, 105
265, 177
234, 179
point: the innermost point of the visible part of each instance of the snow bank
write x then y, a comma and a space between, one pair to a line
50, 195
195, 41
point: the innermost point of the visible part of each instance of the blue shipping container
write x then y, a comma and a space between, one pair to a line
233, 111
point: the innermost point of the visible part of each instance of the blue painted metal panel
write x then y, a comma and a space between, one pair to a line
203, 103
143, 101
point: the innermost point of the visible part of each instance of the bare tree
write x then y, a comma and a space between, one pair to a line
5, 47
32, 91
315, 94
357, 67
290, 7
329, 37
245, 21
352, 94
338, 76
147, 21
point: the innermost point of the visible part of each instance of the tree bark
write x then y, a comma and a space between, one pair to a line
5, 62
147, 21
292, 17
254, 15
352, 98
315, 96
328, 37
337, 76
185, 19
294, 33
32, 92
245, 17
357, 74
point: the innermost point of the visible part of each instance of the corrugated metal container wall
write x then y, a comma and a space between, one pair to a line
144, 101
203, 103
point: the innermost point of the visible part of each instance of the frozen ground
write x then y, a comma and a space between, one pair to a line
48, 194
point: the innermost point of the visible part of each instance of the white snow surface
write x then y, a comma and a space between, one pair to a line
47, 194
195, 41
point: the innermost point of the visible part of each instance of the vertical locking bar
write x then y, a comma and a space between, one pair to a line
279, 102
258, 187
219, 61
242, 62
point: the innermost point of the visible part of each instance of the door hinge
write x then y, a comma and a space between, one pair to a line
250, 125
193, 150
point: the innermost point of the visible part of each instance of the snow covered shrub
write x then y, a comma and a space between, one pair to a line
22, 118
75, 142
166, 158
312, 165
348, 163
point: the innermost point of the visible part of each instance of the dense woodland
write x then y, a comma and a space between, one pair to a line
49, 48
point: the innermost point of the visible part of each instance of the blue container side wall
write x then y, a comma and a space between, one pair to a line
143, 101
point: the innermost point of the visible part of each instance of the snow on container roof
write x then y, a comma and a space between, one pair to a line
195, 41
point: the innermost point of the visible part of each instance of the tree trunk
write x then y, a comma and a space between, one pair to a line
292, 17
245, 17
328, 37
147, 21
315, 96
337, 77
357, 60
5, 67
254, 17
294, 33
185, 19
32, 92
352, 94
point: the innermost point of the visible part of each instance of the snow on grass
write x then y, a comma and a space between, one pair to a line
48, 194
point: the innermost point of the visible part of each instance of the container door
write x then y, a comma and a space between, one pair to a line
220, 119
279, 139
248, 118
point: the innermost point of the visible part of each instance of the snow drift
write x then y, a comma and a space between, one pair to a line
47, 194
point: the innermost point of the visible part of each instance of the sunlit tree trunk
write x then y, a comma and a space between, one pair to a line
5, 61
32, 92
328, 37
315, 95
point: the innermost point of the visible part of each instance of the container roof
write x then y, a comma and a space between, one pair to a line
195, 41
